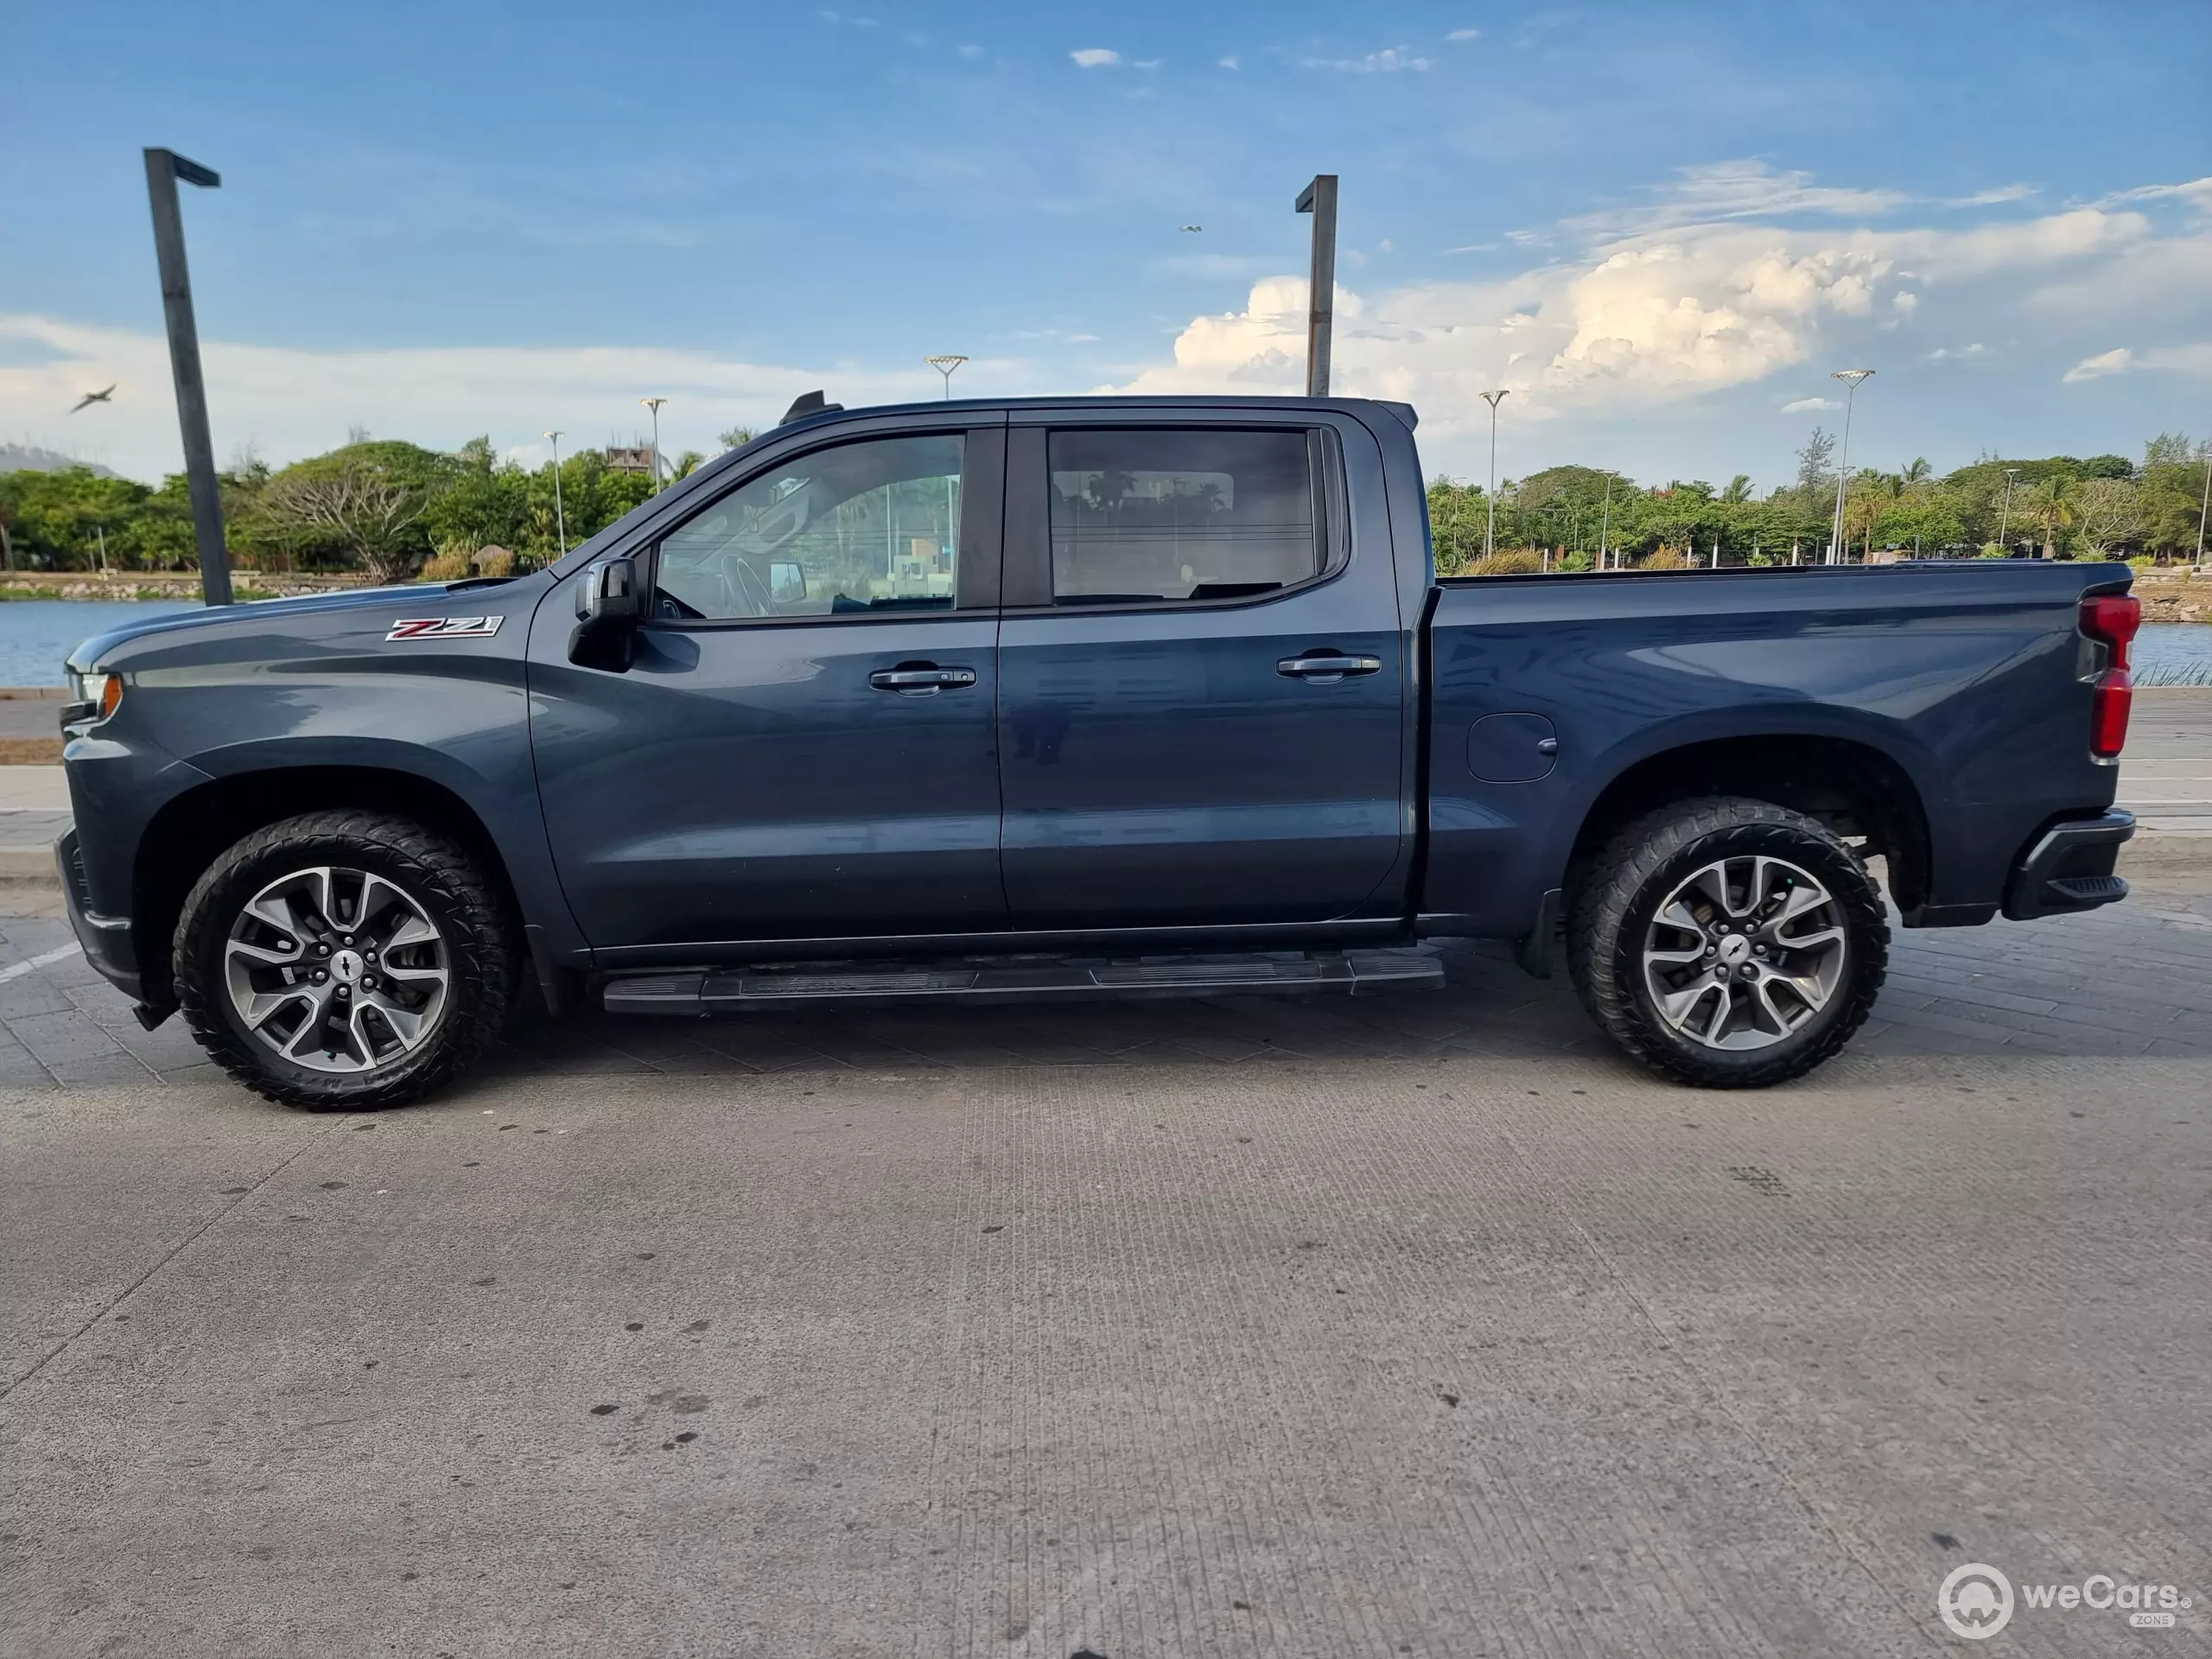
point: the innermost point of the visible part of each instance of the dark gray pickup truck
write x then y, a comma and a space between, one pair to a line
1077, 697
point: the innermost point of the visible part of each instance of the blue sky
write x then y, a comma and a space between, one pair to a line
1660, 223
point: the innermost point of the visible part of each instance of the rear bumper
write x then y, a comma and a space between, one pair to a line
106, 939
2068, 867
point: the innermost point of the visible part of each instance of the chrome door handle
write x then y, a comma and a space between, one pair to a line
920, 682
1325, 671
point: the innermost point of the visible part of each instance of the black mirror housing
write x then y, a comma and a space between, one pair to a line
609, 604
610, 592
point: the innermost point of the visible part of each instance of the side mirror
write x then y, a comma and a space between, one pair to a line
608, 605
610, 594
786, 581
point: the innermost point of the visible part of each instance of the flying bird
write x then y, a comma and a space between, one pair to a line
94, 398
1190, 228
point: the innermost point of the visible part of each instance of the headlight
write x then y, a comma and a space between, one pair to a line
91, 697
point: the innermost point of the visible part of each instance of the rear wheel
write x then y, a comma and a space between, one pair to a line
1728, 943
344, 960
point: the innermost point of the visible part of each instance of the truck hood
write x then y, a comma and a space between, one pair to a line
87, 655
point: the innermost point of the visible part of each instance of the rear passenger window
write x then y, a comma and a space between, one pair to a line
1194, 514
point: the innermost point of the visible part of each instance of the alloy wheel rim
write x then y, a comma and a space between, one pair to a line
338, 970
1745, 952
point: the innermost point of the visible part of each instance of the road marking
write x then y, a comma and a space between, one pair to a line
18, 969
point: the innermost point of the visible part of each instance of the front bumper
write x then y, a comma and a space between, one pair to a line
106, 939
2068, 867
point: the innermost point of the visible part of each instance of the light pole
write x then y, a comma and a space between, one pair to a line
945, 366
2205, 506
164, 168
1489, 498
1850, 378
1605, 522
1319, 199
2004, 518
560, 518
654, 403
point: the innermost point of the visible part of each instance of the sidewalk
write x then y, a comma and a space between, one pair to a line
2165, 780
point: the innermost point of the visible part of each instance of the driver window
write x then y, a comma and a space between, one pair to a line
857, 529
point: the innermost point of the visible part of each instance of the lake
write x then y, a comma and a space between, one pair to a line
36, 634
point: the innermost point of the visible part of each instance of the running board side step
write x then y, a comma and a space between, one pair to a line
744, 989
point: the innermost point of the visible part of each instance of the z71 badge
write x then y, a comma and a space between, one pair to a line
445, 627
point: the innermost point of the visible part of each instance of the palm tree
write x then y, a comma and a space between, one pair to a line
1739, 490
1918, 471
2049, 504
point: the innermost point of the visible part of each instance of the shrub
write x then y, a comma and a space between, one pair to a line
1665, 559
497, 563
1521, 562
449, 563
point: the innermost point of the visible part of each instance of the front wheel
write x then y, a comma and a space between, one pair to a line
344, 960
1728, 943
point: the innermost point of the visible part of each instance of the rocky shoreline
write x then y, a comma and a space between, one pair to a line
2175, 599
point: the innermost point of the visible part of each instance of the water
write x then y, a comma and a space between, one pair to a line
2173, 653
36, 634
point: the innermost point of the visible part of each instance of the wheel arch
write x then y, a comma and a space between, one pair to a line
192, 831
1850, 785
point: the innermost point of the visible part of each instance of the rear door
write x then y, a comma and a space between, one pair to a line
1201, 691
804, 745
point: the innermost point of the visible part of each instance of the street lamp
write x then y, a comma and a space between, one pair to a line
1490, 530
2205, 506
164, 168
1850, 378
1319, 199
1605, 522
2004, 518
945, 366
654, 403
560, 518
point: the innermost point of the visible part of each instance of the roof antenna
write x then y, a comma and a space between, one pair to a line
806, 403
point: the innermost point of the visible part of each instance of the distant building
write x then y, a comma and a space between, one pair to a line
629, 460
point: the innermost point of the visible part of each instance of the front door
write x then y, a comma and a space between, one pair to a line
1201, 688
802, 745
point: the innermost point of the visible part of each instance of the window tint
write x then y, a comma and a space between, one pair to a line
1192, 514
858, 529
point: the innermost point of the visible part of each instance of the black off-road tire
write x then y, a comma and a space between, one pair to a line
462, 901
1613, 907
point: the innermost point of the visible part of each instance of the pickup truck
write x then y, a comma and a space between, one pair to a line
1083, 697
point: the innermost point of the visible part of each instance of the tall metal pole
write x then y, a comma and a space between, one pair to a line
654, 403
1490, 497
164, 168
560, 518
1850, 378
2205, 506
2004, 518
1606, 522
1319, 199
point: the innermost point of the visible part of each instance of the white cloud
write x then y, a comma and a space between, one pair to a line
1675, 312
1944, 354
1989, 197
286, 404
2117, 361
1389, 61
1094, 57
1738, 189
2193, 359
1230, 63
1805, 404
971, 51
1465, 35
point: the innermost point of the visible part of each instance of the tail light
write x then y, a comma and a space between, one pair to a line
2111, 619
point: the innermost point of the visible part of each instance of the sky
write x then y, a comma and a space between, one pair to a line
1660, 225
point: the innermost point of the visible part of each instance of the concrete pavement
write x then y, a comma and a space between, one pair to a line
1447, 1357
